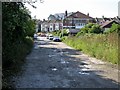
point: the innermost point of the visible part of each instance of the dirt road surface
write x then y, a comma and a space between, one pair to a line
56, 65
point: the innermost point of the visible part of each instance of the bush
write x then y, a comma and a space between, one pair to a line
90, 28
17, 27
95, 29
114, 28
101, 46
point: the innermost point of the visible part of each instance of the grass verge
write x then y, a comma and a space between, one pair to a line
101, 46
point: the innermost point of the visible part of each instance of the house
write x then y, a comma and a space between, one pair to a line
45, 26
58, 25
51, 17
103, 20
58, 16
72, 20
76, 20
51, 25
107, 25
39, 26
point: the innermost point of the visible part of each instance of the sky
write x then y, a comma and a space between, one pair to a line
95, 8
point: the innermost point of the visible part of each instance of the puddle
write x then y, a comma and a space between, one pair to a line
63, 62
54, 50
84, 73
75, 60
51, 55
54, 69
84, 69
61, 53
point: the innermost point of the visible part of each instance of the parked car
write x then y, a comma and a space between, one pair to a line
56, 39
43, 35
50, 37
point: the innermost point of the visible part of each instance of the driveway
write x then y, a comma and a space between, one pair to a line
56, 65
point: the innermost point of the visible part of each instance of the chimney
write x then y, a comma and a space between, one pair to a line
66, 13
103, 18
87, 14
43, 19
117, 17
96, 19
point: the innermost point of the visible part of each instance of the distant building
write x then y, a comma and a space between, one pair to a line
107, 25
72, 20
51, 25
45, 26
76, 20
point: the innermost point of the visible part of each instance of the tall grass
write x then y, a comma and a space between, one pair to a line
101, 46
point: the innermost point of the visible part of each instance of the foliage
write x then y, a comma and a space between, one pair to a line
60, 33
17, 30
17, 24
95, 29
102, 46
65, 32
114, 28
90, 28
89, 25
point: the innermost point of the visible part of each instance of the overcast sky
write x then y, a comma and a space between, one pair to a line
95, 8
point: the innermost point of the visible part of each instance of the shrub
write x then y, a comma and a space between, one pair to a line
114, 28
102, 46
95, 29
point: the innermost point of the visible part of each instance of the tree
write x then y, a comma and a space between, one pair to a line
95, 29
16, 26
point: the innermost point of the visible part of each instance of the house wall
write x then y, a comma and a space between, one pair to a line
56, 26
44, 27
36, 28
52, 27
77, 23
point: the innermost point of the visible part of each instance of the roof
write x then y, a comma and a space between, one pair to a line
108, 23
59, 15
98, 20
78, 15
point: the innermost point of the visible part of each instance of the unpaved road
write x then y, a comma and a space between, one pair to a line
56, 65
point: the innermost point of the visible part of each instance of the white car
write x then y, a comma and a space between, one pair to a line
50, 37
56, 39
